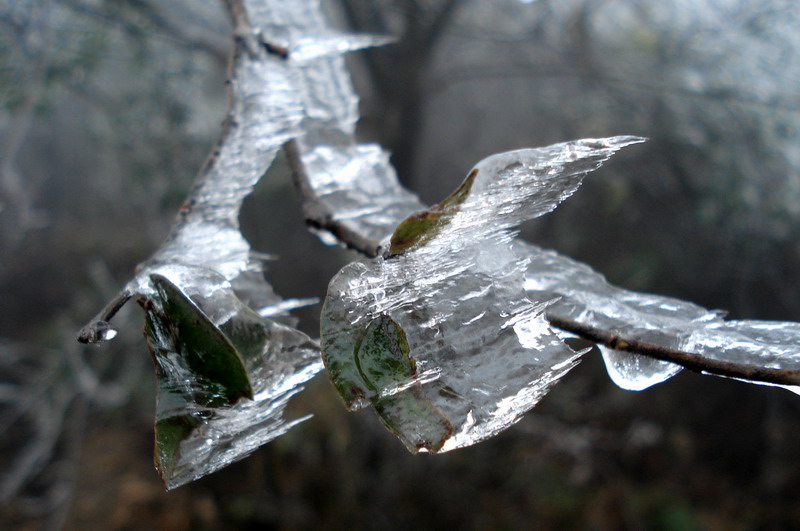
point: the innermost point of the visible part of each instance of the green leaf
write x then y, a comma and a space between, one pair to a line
170, 432
197, 368
225, 374
382, 357
338, 354
474, 352
417, 229
383, 361
210, 356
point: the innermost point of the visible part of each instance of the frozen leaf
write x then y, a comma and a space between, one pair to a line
438, 334
385, 367
225, 374
217, 372
506, 189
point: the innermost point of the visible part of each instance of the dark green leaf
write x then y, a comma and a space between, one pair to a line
207, 352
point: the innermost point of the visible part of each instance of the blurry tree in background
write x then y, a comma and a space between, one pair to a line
109, 107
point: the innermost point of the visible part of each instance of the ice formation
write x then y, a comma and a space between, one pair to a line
438, 334
635, 372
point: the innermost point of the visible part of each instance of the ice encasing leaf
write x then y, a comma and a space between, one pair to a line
352, 195
224, 374
504, 190
384, 365
215, 365
444, 314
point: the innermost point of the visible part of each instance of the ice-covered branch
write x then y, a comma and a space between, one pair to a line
351, 193
635, 325
673, 333
225, 371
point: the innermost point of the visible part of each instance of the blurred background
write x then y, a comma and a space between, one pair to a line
108, 108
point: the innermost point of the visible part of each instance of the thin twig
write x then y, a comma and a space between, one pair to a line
320, 220
97, 329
